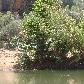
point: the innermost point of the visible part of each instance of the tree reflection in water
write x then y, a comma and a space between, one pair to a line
42, 77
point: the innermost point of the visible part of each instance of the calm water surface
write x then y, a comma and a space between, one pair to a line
42, 77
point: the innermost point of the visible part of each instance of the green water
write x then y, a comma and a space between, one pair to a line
42, 77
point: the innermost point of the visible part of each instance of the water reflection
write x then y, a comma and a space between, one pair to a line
7, 78
71, 81
42, 77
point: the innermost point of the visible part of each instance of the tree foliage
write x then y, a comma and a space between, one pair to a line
9, 27
51, 33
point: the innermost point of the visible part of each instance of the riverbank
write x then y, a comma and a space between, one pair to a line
9, 62
8, 58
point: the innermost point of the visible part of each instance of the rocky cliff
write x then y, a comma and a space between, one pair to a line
15, 5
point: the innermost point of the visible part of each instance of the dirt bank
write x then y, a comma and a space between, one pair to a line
8, 58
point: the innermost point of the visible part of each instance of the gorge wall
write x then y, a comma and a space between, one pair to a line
15, 5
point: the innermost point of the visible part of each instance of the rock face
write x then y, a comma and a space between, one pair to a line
12, 5
18, 4
0, 5
15, 5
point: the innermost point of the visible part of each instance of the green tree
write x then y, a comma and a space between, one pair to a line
51, 33
9, 27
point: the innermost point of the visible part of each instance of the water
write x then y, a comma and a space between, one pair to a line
42, 77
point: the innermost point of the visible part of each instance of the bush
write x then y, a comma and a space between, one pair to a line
9, 27
51, 33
